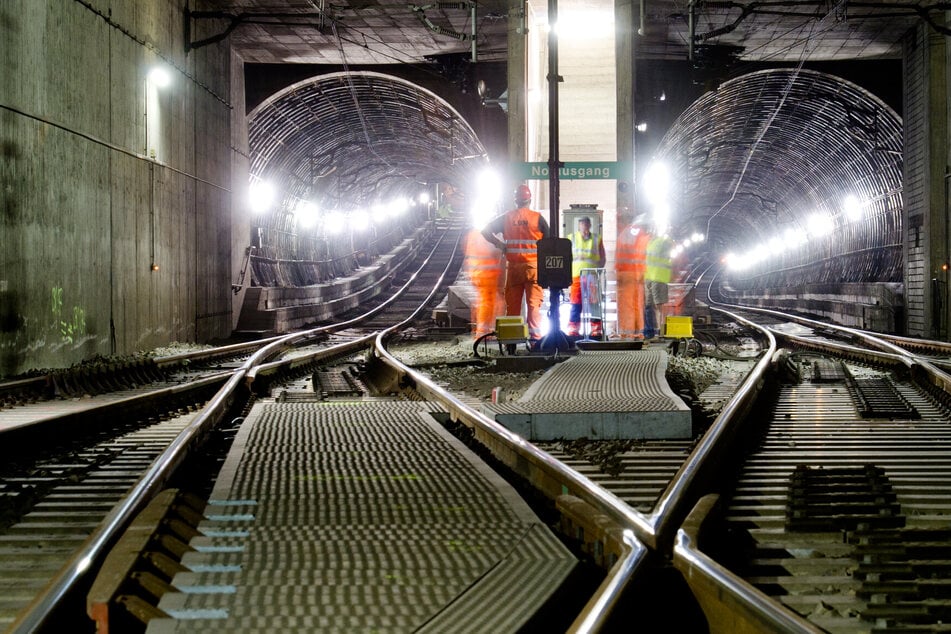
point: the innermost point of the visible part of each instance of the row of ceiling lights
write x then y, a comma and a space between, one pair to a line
818, 225
263, 196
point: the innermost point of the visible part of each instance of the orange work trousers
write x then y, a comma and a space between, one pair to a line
521, 280
630, 304
488, 302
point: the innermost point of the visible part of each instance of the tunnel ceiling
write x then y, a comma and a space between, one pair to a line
392, 31
350, 140
765, 151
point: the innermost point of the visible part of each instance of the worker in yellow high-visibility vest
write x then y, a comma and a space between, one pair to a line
657, 276
587, 252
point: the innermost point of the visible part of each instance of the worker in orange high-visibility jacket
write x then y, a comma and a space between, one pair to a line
587, 252
631, 264
483, 265
521, 229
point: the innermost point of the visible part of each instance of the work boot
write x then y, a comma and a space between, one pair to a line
596, 332
574, 329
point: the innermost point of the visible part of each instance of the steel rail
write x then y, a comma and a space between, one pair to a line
674, 503
214, 353
554, 477
546, 473
912, 342
265, 369
564, 480
16, 385
116, 406
643, 532
154, 479
719, 591
938, 377
596, 613
722, 593
844, 349
549, 475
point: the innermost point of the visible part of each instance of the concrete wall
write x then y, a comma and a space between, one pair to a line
927, 149
85, 211
587, 101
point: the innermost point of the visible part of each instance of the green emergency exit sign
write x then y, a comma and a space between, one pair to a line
575, 170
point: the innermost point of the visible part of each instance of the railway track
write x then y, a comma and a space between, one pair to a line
116, 427
775, 553
834, 518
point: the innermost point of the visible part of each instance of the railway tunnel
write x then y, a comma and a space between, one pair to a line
126, 221
792, 176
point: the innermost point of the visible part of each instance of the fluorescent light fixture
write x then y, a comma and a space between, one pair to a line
261, 196
490, 185
307, 213
160, 77
656, 183
661, 217
819, 224
793, 237
360, 220
334, 222
398, 206
759, 254
853, 208
482, 211
734, 262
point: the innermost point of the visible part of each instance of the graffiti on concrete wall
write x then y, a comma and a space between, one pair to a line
71, 328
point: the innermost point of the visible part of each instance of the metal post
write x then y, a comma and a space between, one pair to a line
555, 338
472, 18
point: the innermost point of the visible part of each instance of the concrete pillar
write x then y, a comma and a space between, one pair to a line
925, 222
626, 20
517, 34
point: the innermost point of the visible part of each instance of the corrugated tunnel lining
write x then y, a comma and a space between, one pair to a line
817, 138
349, 139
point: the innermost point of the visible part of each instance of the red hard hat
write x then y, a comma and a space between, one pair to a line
523, 194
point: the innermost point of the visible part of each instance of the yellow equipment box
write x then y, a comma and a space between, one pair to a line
679, 327
511, 329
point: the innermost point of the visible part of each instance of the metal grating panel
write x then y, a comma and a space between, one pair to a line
599, 381
599, 395
361, 516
